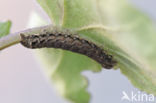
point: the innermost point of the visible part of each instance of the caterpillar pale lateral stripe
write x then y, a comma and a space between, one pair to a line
71, 43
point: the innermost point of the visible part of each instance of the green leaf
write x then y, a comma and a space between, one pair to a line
65, 68
118, 27
4, 28
54, 9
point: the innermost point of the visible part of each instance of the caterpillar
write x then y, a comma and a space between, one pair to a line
70, 42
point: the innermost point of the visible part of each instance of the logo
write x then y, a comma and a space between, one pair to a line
137, 97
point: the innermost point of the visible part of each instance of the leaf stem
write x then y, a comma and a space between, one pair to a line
15, 38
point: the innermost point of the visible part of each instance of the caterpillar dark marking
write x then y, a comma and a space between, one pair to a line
69, 42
